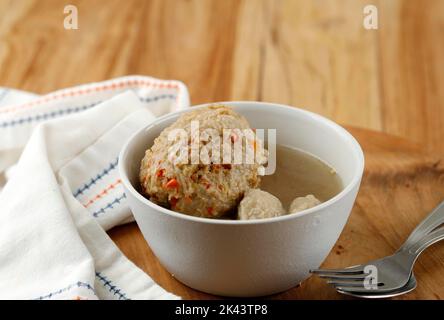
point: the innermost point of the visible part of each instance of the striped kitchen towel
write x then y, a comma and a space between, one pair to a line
61, 190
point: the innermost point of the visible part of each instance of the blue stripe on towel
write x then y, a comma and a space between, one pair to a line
58, 113
157, 98
98, 177
110, 205
78, 284
108, 284
45, 116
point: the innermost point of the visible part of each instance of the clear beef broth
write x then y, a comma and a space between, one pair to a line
299, 174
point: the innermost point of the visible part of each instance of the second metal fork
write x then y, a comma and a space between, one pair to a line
394, 271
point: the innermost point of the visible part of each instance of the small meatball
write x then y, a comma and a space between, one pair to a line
302, 203
258, 204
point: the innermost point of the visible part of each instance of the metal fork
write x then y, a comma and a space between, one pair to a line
394, 271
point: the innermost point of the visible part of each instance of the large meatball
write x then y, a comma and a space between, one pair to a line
203, 188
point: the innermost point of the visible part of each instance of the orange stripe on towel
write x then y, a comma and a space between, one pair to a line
78, 92
102, 193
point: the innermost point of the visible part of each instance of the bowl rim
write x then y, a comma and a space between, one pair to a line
357, 175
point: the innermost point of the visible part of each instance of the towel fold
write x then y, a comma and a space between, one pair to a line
65, 192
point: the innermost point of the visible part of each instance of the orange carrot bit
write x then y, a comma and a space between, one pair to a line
207, 185
188, 199
172, 184
234, 137
160, 173
253, 144
210, 210
173, 202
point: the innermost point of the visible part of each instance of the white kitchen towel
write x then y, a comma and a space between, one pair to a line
65, 192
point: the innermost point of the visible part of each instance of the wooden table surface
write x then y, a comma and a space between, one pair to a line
311, 54
401, 185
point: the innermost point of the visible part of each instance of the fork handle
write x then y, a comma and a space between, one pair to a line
426, 242
432, 221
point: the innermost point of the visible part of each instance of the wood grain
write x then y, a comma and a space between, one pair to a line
401, 185
311, 54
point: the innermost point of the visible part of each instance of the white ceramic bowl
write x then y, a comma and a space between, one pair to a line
257, 257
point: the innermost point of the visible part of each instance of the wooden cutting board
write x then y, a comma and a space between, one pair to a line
401, 185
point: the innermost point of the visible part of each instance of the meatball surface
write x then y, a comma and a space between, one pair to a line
302, 203
259, 204
204, 189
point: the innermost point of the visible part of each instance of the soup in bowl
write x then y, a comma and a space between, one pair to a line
255, 257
